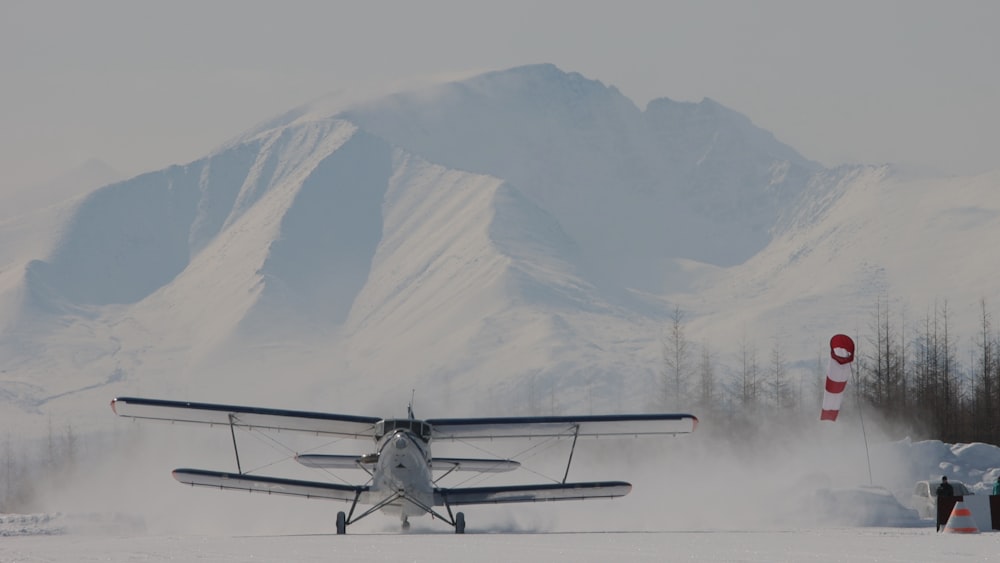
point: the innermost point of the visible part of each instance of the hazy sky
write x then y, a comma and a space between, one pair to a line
142, 85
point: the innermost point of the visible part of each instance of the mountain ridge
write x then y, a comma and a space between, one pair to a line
470, 237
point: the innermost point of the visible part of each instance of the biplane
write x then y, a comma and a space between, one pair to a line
402, 476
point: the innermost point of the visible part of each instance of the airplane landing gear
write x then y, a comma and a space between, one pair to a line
341, 523
460, 523
406, 523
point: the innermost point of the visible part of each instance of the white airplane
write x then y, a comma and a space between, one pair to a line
401, 480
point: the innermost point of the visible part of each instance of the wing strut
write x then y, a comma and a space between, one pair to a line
232, 431
576, 434
357, 495
447, 473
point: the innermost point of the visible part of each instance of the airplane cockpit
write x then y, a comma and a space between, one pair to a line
418, 427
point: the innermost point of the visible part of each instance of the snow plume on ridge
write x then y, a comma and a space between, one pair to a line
73, 183
585, 153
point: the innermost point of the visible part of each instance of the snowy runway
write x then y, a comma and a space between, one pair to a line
854, 544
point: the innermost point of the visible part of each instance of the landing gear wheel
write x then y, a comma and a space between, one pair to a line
460, 523
341, 523
406, 524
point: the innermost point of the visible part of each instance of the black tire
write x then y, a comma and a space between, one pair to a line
341, 523
460, 523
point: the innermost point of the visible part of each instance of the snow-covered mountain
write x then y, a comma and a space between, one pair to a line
516, 239
875, 234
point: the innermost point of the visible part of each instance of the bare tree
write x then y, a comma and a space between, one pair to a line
987, 386
949, 376
780, 390
706, 380
882, 370
675, 361
748, 375
937, 389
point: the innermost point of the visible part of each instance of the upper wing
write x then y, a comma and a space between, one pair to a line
548, 426
531, 493
270, 485
246, 417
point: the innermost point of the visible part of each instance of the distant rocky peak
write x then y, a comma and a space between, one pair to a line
705, 120
540, 79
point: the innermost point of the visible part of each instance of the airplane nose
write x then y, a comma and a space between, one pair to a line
400, 442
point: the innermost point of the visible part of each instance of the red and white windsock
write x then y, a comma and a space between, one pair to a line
841, 356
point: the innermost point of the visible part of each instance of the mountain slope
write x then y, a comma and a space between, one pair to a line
877, 234
509, 243
316, 229
589, 156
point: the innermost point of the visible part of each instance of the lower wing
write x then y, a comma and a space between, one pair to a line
269, 485
531, 493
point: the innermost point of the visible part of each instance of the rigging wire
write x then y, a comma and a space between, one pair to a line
861, 416
549, 443
275, 444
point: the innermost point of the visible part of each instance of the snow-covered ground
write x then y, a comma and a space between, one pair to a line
694, 505
508, 254
904, 545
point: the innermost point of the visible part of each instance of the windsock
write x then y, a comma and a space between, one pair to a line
841, 356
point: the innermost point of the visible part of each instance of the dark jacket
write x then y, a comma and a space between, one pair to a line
945, 490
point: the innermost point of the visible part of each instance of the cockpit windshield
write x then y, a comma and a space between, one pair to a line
390, 425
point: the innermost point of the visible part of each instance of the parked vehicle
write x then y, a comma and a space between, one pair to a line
924, 498
862, 506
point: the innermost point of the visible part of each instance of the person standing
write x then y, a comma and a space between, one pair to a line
945, 491
995, 506
945, 488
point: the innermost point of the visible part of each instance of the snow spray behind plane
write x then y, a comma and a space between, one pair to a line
841, 356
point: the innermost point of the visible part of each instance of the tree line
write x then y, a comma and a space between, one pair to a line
915, 375
910, 375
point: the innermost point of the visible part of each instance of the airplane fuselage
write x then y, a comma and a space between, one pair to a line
403, 468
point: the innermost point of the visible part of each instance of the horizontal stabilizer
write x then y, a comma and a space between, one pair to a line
329, 461
333, 461
553, 426
531, 493
269, 485
480, 465
246, 417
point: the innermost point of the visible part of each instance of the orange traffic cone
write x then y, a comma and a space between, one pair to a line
960, 521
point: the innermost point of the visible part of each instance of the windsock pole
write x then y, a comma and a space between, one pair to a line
861, 416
